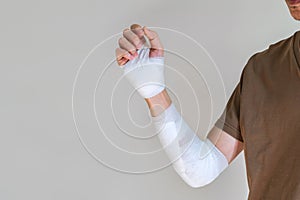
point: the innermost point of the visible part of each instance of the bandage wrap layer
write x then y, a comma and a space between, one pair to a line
197, 162
146, 74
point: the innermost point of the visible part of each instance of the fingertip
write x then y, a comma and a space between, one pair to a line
134, 26
145, 29
126, 29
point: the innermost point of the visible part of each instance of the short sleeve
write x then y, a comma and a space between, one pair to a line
229, 120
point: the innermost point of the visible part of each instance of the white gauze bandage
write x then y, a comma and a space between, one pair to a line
146, 74
197, 162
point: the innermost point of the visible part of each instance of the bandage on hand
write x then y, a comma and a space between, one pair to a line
145, 74
143, 66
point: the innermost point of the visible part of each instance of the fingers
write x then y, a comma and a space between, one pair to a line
138, 30
156, 45
123, 56
127, 45
132, 40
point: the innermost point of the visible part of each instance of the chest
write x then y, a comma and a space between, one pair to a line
270, 110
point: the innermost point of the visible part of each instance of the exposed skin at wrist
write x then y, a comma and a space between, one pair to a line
159, 103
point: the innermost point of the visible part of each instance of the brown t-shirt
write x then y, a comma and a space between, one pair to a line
264, 113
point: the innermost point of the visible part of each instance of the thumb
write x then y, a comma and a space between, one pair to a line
156, 47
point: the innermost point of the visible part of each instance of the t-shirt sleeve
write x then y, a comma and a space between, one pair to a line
229, 121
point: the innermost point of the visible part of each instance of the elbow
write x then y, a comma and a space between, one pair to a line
196, 186
197, 179
197, 183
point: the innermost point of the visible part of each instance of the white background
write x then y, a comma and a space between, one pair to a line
42, 44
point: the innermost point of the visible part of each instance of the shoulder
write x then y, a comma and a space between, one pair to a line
277, 49
271, 56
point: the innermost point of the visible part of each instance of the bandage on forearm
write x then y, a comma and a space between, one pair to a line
197, 162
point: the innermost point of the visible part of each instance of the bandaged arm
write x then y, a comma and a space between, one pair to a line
197, 162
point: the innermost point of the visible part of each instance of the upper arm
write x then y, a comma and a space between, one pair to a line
227, 144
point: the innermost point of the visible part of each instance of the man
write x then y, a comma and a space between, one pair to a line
262, 116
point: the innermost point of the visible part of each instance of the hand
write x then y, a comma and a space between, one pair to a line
143, 66
133, 39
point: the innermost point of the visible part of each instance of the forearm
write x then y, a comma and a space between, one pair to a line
159, 103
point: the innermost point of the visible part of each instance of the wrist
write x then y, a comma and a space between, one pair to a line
158, 103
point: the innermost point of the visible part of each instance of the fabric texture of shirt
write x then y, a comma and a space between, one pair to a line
263, 112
